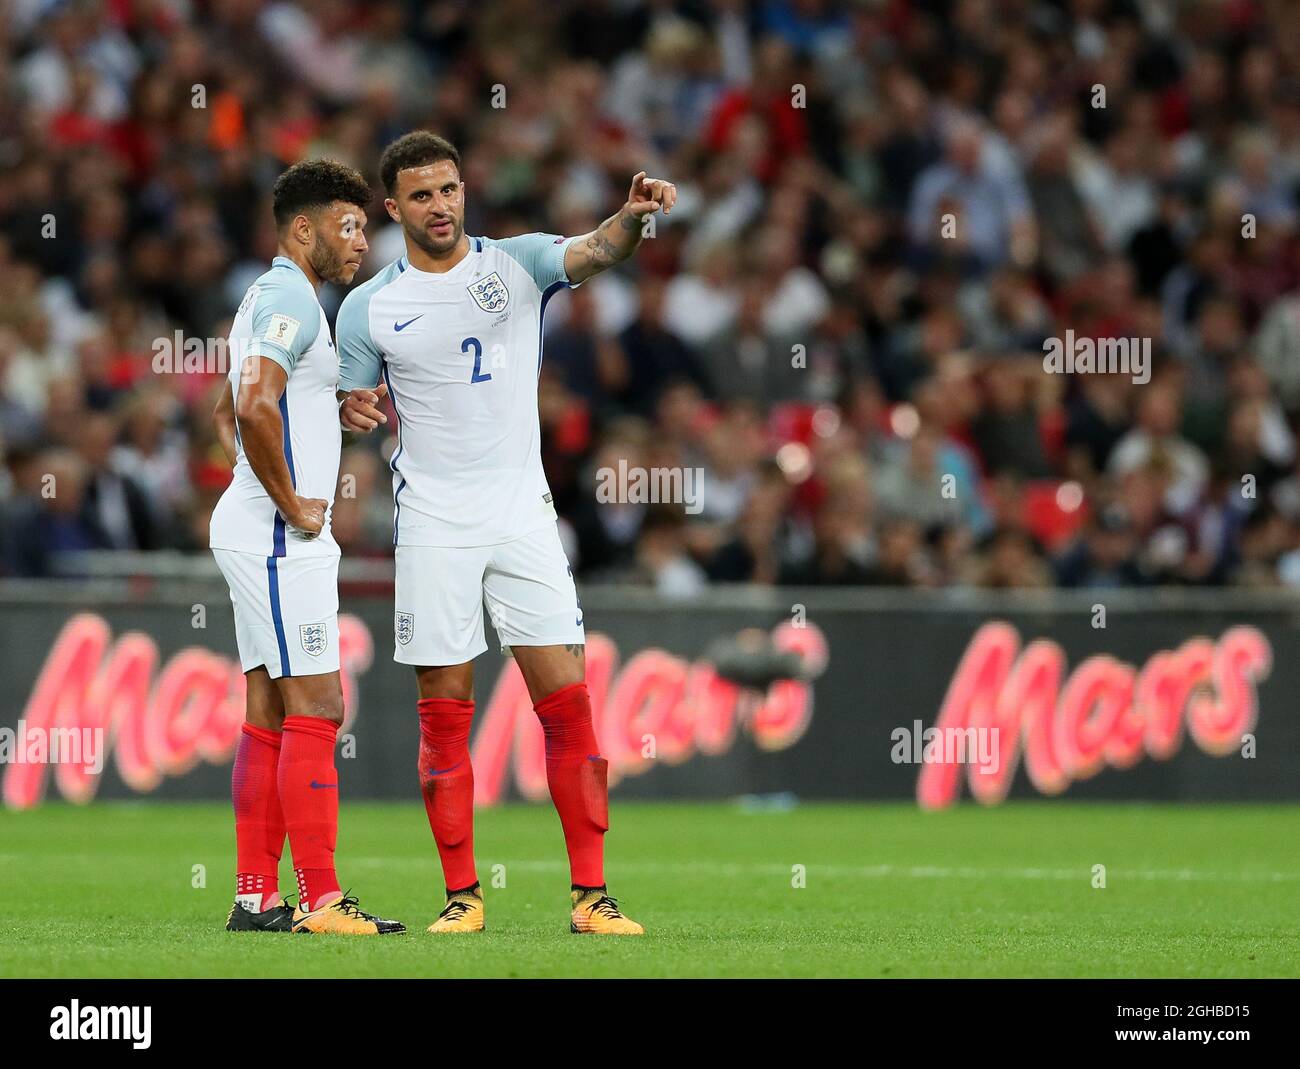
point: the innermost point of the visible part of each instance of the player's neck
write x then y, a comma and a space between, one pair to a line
304, 265
424, 261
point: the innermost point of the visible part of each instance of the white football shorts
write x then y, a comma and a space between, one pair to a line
286, 611
440, 590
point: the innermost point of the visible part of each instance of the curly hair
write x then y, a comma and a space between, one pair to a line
314, 184
415, 149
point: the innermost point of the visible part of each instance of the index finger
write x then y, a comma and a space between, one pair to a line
361, 417
368, 412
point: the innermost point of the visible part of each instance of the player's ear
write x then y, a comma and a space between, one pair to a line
390, 206
302, 229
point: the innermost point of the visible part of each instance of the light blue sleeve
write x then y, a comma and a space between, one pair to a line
541, 255
285, 322
360, 360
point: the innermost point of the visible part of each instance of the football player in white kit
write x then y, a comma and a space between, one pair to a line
271, 537
452, 333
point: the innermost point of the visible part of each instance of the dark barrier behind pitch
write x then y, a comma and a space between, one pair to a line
890, 660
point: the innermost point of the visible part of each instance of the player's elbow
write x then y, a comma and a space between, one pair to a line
254, 408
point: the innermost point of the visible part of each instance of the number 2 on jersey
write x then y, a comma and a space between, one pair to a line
478, 376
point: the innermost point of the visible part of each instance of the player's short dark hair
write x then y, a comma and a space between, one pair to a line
419, 148
314, 184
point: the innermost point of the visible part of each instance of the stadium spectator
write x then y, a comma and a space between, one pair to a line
885, 213
1105, 555
116, 507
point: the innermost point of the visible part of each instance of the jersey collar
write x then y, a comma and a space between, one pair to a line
284, 261
405, 266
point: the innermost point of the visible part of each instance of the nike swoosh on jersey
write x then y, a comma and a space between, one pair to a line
399, 327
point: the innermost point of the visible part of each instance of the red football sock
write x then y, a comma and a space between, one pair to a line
309, 794
447, 782
259, 823
576, 775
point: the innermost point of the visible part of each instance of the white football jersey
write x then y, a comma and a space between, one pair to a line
281, 318
460, 352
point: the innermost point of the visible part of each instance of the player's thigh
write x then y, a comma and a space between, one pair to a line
438, 605
245, 576
533, 602
305, 618
262, 705
286, 612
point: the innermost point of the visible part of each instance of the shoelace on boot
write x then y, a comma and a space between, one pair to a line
348, 905
454, 910
606, 907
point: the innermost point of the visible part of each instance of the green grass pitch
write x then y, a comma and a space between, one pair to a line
1200, 891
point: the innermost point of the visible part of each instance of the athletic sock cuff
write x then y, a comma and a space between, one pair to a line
562, 700
266, 735
312, 725
444, 706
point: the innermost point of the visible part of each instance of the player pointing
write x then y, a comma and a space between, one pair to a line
452, 332
271, 537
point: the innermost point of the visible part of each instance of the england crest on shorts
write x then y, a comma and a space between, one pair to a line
405, 627
490, 293
314, 637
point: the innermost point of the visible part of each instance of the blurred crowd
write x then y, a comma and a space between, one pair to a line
886, 209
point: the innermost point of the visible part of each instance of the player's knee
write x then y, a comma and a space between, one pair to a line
553, 679
268, 720
546, 674
452, 681
327, 707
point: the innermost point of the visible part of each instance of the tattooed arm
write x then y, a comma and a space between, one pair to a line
619, 235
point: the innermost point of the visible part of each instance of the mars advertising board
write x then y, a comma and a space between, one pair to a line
97, 695
127, 701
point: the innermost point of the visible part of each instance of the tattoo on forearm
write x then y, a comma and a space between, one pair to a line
601, 250
606, 246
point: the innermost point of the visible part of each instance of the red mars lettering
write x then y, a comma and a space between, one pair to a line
1104, 713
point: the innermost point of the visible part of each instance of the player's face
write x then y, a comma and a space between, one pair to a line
340, 243
429, 202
